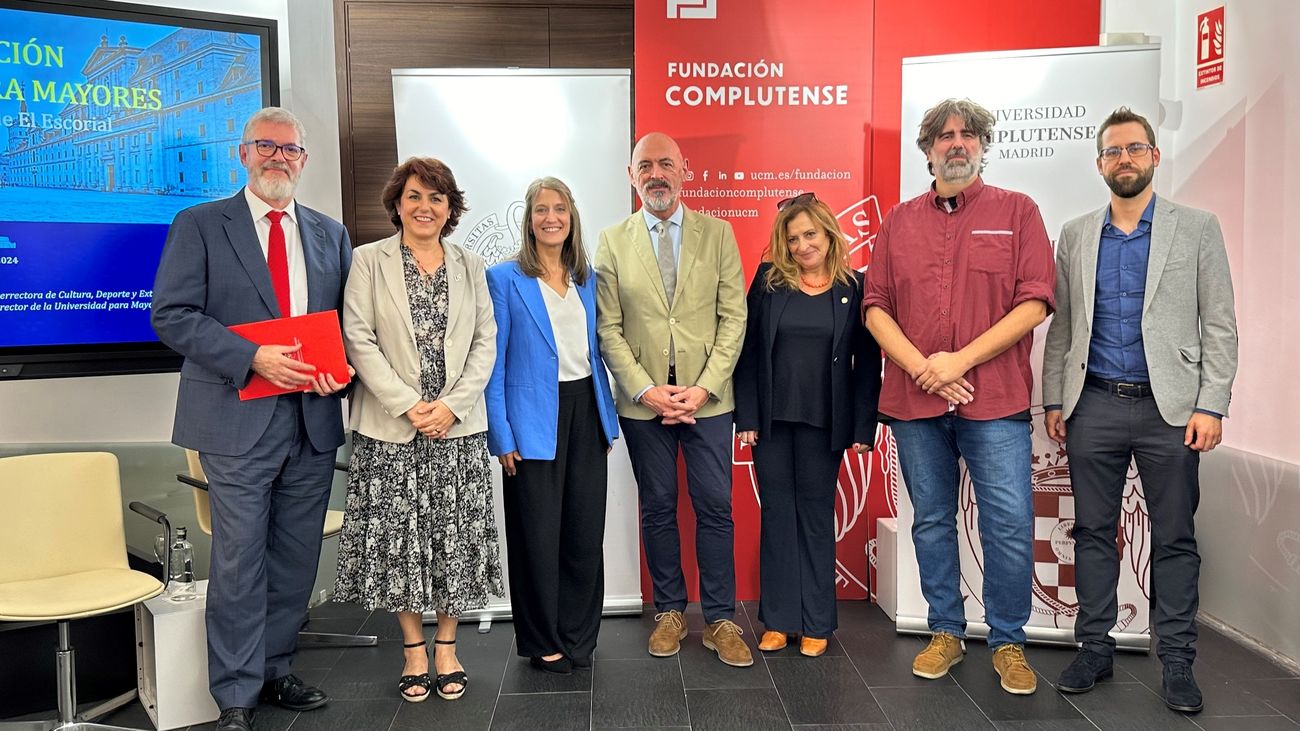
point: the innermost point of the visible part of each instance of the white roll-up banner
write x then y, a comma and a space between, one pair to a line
498, 130
1048, 105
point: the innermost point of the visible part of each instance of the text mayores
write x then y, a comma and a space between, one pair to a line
829, 95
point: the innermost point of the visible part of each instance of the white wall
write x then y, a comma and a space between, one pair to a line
140, 408
1231, 149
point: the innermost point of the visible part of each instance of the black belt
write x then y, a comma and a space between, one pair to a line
1119, 388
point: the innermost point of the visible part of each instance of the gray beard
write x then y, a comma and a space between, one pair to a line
957, 171
658, 205
277, 189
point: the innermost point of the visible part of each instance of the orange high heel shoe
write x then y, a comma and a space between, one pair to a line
773, 641
812, 647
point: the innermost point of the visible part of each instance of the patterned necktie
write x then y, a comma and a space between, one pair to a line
277, 260
668, 270
667, 262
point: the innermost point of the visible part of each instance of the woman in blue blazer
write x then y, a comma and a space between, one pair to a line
551, 422
807, 384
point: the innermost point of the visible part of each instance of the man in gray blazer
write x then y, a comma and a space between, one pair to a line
256, 256
1138, 364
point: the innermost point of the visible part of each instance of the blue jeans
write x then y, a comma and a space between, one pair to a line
997, 455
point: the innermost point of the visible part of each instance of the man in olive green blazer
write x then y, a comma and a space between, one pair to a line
670, 300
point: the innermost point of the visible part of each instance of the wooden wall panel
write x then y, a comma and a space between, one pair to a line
591, 38
372, 37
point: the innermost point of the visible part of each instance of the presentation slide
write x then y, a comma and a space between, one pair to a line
108, 128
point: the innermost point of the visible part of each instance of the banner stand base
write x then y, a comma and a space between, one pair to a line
1060, 636
615, 606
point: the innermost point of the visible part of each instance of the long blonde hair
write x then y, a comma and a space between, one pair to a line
785, 270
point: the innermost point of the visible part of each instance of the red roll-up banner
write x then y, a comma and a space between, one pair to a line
767, 99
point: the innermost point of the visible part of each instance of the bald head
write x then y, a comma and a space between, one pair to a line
657, 171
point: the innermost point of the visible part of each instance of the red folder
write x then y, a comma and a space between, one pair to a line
322, 346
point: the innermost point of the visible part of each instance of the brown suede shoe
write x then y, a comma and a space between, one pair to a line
773, 641
667, 638
723, 637
1010, 664
943, 652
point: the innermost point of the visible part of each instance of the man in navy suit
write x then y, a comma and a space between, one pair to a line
256, 256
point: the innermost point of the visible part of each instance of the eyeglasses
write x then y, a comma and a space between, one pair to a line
267, 148
1134, 150
797, 200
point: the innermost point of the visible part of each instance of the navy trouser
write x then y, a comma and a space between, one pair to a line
268, 514
706, 447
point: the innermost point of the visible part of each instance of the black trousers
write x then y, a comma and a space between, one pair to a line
1103, 434
797, 473
555, 533
706, 448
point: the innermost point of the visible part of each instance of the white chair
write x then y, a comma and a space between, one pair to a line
63, 557
198, 480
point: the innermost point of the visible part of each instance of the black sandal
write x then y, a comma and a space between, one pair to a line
407, 682
457, 677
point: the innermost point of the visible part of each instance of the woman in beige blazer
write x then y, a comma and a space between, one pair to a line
420, 533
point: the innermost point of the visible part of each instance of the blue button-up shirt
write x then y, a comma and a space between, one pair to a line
1116, 349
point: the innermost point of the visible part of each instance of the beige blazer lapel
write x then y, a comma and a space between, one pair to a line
639, 235
454, 260
394, 280
1164, 223
692, 235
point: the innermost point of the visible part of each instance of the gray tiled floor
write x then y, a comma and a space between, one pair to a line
863, 682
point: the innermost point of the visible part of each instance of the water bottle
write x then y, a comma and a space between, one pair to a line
182, 587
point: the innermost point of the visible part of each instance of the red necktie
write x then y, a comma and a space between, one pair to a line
277, 260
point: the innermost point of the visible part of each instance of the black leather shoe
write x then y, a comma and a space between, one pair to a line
1082, 674
236, 719
1181, 691
560, 665
290, 692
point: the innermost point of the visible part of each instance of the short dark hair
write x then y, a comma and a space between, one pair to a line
434, 175
1124, 115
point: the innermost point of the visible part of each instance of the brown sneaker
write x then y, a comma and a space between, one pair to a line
1017, 677
667, 638
943, 652
723, 637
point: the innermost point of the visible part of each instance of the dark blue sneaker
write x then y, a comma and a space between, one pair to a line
1082, 674
1181, 691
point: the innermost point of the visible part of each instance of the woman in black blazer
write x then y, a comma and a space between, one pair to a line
807, 384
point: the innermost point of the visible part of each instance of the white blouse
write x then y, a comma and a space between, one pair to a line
569, 324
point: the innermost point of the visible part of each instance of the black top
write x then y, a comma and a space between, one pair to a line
852, 375
801, 360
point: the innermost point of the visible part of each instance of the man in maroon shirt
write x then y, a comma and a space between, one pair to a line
959, 278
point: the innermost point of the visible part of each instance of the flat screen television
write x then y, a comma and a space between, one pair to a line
113, 117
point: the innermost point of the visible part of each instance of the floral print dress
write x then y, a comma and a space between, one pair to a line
420, 531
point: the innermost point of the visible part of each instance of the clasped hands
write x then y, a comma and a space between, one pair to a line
273, 363
943, 373
676, 404
431, 418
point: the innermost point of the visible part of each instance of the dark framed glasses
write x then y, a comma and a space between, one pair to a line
1134, 150
267, 148
797, 200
